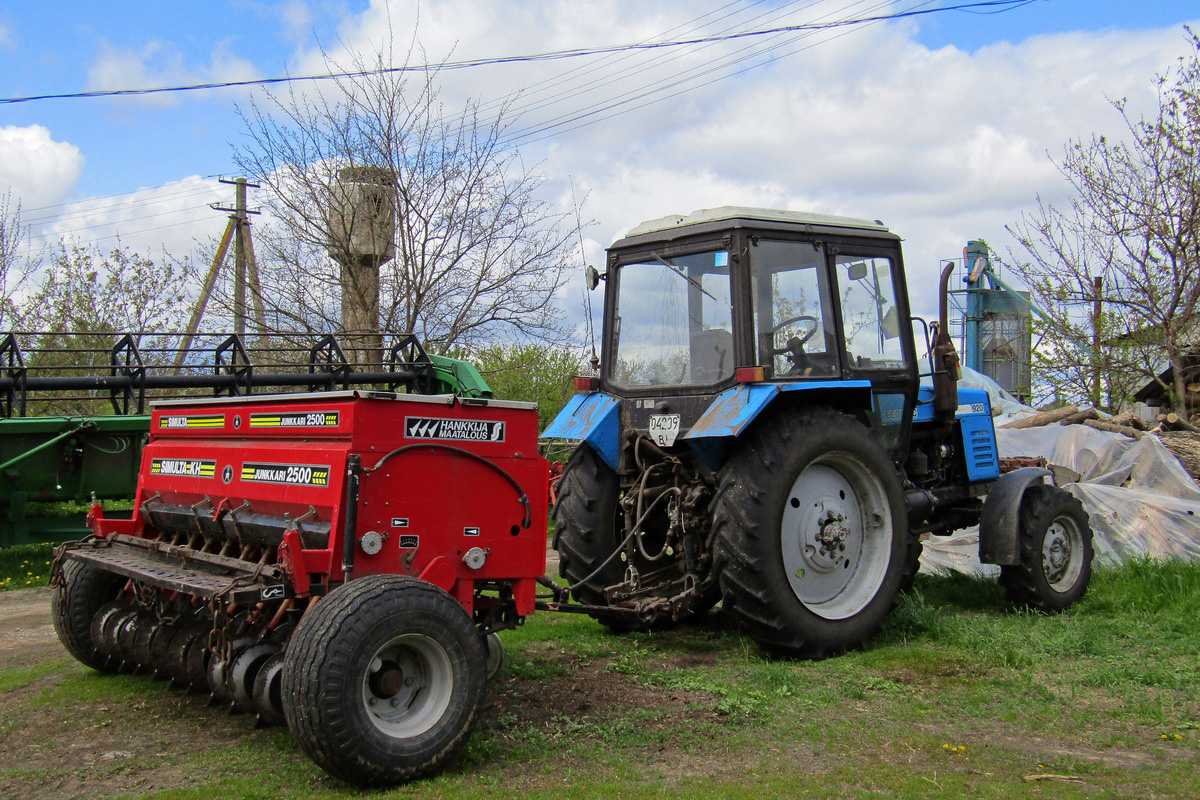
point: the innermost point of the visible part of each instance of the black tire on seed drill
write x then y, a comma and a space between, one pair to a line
326, 678
753, 489
1026, 583
82, 589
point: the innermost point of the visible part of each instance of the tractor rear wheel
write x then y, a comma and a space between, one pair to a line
1056, 551
383, 679
811, 534
83, 588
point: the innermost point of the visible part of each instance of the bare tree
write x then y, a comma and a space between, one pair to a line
1133, 223
477, 252
16, 263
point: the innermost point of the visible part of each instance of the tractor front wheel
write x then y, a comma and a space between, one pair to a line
1055, 549
383, 679
812, 536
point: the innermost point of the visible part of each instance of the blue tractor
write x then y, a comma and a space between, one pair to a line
761, 433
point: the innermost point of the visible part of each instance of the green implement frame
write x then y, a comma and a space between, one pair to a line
51, 466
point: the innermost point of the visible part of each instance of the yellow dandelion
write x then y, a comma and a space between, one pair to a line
1164, 736
1177, 736
945, 747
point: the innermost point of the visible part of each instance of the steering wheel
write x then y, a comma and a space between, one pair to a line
816, 325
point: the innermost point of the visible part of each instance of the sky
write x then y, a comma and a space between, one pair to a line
943, 126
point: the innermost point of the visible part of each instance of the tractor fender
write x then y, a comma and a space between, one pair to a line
732, 411
593, 418
1000, 519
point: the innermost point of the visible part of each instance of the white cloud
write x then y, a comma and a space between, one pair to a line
38, 170
297, 19
158, 64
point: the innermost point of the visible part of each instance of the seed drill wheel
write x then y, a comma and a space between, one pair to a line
84, 589
383, 679
812, 535
1056, 551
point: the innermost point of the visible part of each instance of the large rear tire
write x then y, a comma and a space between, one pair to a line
383, 680
1056, 551
83, 588
811, 534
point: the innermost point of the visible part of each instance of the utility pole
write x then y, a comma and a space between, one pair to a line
240, 220
1097, 311
245, 266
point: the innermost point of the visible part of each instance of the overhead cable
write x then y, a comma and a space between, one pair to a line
534, 57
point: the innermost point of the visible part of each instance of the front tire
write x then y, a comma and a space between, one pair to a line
82, 589
811, 534
586, 523
1056, 551
383, 680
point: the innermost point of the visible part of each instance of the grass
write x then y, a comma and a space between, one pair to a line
960, 696
25, 566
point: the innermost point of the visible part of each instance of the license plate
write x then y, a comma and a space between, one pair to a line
664, 428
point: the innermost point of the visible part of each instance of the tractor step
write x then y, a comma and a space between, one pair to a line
182, 569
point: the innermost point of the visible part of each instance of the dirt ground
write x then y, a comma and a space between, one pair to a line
103, 749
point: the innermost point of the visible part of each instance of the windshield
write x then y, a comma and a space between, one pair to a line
674, 321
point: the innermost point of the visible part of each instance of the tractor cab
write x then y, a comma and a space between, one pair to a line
706, 306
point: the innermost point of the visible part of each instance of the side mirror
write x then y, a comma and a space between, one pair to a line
593, 276
857, 271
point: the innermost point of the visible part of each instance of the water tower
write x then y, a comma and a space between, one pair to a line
362, 229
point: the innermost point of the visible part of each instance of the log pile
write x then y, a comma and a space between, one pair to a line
1178, 435
1186, 447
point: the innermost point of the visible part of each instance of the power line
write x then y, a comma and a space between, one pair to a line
548, 56
647, 91
83, 213
599, 81
110, 196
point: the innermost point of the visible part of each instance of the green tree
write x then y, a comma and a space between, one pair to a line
85, 301
16, 262
535, 373
1133, 222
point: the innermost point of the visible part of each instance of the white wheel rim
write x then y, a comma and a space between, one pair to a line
407, 686
1062, 554
836, 536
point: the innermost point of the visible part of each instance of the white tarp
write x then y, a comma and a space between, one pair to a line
1139, 499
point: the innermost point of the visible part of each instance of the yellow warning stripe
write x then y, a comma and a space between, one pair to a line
329, 419
192, 422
